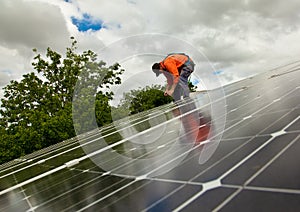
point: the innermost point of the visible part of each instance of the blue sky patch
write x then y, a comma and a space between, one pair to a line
195, 81
6, 71
218, 72
87, 23
131, 1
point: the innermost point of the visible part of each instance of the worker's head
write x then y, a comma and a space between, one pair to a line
156, 68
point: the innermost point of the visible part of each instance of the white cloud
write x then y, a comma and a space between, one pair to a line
13, 64
27, 24
239, 37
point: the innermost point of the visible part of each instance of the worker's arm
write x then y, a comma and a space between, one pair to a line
171, 88
172, 69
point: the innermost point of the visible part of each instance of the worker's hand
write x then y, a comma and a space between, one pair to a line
169, 92
166, 92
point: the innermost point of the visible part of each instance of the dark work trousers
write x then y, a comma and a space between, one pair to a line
182, 88
187, 108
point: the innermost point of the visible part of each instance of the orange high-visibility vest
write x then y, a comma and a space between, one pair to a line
173, 62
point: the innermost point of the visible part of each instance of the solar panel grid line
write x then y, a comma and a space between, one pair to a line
141, 115
259, 159
227, 200
294, 69
229, 171
132, 176
172, 160
266, 106
66, 165
279, 68
73, 189
236, 110
120, 142
24, 198
285, 110
234, 186
183, 182
293, 131
124, 164
141, 122
186, 203
228, 159
239, 121
274, 190
64, 193
31, 208
289, 103
273, 123
106, 196
228, 129
216, 162
159, 167
8, 207
24, 195
110, 173
272, 160
195, 109
246, 158
270, 125
163, 198
291, 123
68, 191
38, 162
29, 157
265, 93
42, 156
240, 106
75, 205
32, 179
238, 138
222, 159
53, 156
86, 136
7, 166
129, 162
123, 196
259, 172
157, 126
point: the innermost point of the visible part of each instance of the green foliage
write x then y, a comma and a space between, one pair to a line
37, 111
119, 112
103, 109
91, 98
192, 87
144, 99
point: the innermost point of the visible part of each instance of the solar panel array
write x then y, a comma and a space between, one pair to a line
254, 168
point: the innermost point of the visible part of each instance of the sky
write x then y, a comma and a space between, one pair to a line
228, 39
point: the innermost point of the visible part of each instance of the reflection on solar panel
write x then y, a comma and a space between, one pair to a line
254, 168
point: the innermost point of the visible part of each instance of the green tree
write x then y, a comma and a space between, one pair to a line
192, 87
37, 111
139, 100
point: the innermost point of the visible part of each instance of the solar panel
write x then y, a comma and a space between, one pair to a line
253, 168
